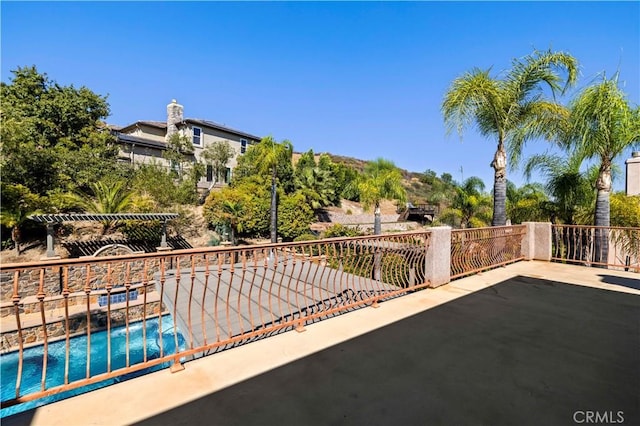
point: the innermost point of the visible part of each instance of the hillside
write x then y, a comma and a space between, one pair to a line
194, 230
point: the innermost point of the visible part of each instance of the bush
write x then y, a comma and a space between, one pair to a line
339, 230
294, 216
305, 237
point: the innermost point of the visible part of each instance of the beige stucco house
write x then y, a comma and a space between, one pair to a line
145, 141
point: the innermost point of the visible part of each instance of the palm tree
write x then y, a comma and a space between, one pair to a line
381, 180
233, 211
272, 154
568, 186
317, 185
471, 207
511, 109
572, 196
18, 203
108, 197
527, 203
602, 125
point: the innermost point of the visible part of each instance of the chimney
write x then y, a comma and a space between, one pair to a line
633, 174
175, 113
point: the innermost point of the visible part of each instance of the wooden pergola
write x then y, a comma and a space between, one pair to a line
51, 219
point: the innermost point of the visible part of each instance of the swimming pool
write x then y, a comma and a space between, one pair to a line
33, 357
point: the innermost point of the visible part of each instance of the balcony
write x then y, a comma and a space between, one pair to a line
512, 340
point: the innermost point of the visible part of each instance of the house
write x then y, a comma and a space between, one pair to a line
145, 141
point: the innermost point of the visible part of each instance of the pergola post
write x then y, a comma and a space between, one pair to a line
50, 243
163, 240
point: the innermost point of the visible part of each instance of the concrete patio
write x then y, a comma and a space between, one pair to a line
204, 393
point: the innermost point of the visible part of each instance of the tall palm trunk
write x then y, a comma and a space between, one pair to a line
274, 208
499, 164
602, 214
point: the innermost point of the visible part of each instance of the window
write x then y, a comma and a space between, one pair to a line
197, 136
209, 173
243, 146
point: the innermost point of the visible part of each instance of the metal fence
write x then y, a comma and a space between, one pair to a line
478, 249
612, 247
217, 297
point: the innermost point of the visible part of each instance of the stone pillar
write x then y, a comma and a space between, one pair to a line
175, 115
633, 174
438, 258
537, 243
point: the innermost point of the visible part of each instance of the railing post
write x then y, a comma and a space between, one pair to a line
536, 245
438, 257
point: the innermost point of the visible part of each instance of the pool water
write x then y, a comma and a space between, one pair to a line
33, 357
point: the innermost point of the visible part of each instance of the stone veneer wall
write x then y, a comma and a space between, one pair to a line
56, 330
95, 276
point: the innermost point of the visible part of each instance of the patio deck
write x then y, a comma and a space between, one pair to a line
530, 343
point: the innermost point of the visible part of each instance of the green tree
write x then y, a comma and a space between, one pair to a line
568, 186
272, 159
428, 177
217, 155
179, 154
381, 180
602, 125
470, 208
18, 203
527, 203
106, 197
314, 182
295, 216
510, 109
53, 136
344, 177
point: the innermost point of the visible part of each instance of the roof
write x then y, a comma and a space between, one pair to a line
198, 122
100, 217
156, 124
216, 126
136, 140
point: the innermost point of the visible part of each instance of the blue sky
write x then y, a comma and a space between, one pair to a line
360, 79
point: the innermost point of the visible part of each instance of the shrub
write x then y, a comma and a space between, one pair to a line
339, 230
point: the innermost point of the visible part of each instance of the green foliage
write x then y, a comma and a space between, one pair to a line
428, 177
294, 216
17, 203
264, 159
52, 136
48, 112
339, 230
217, 155
179, 154
305, 237
470, 208
381, 180
247, 205
602, 125
570, 189
625, 210
106, 197
157, 182
510, 109
527, 204
316, 184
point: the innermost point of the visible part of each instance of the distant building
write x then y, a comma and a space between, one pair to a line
145, 141
633, 174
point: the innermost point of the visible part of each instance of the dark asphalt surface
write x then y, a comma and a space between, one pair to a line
523, 352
